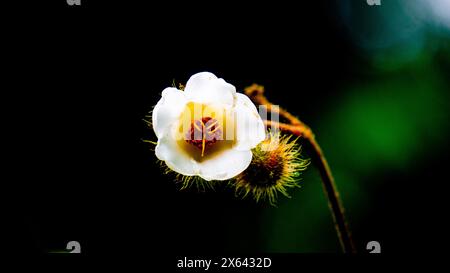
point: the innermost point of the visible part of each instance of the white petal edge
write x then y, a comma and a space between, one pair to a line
226, 165
168, 110
250, 130
205, 87
168, 150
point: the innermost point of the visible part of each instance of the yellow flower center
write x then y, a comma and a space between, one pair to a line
206, 130
204, 133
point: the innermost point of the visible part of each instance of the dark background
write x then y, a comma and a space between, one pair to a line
81, 79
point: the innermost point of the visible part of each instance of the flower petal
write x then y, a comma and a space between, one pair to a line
170, 152
226, 165
250, 130
167, 110
206, 88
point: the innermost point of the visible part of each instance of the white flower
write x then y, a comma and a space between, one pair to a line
206, 130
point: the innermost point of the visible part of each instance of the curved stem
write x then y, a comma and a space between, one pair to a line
298, 128
334, 200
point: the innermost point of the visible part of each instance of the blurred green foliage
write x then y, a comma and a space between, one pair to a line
393, 112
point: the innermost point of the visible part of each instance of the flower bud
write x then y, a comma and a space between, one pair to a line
275, 167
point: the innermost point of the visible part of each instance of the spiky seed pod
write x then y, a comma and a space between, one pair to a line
276, 166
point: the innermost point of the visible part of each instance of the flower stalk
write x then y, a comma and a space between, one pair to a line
298, 128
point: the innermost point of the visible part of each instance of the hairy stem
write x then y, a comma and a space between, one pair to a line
298, 128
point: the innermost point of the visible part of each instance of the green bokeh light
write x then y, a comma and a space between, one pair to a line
384, 119
387, 121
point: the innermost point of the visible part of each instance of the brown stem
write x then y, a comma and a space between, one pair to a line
298, 128
256, 93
